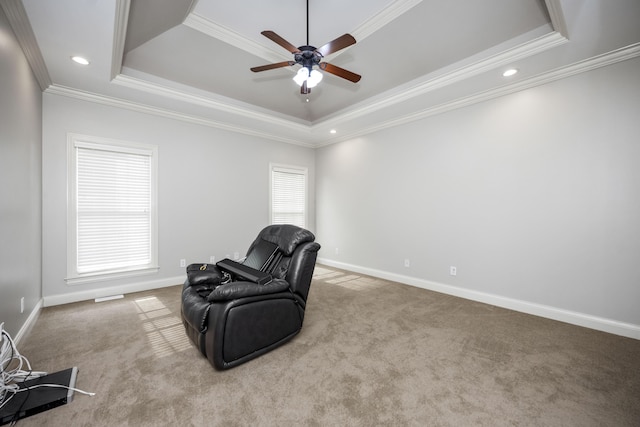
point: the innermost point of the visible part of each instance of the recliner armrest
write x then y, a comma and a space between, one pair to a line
235, 290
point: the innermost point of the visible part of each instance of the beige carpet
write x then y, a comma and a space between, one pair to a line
370, 353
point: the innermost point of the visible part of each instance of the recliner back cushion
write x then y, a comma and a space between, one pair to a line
286, 236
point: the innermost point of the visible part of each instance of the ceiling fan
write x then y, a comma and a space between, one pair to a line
309, 56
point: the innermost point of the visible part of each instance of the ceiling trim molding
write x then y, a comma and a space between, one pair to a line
212, 29
55, 89
222, 33
619, 55
557, 17
167, 92
524, 50
119, 36
610, 58
391, 12
21, 26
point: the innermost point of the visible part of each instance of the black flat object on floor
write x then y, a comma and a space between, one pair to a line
26, 403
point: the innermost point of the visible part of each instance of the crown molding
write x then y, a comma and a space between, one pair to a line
557, 17
161, 112
21, 26
393, 97
373, 24
119, 36
391, 12
619, 55
228, 107
222, 33
610, 58
395, 9
521, 51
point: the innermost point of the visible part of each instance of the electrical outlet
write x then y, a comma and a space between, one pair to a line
212, 259
236, 255
337, 251
453, 271
183, 263
407, 263
22, 305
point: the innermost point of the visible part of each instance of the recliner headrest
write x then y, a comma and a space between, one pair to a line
286, 236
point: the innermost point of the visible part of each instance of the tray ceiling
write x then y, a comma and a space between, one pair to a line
190, 59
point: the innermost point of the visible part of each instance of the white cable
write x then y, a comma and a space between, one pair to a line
88, 393
9, 355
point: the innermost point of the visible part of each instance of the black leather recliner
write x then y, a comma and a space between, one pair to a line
240, 320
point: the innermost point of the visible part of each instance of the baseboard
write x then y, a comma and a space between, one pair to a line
91, 294
31, 320
575, 318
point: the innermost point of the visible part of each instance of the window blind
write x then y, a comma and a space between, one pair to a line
288, 196
113, 212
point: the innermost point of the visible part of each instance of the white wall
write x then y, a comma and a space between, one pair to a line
20, 184
213, 189
534, 197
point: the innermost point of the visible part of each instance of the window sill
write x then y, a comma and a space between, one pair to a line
101, 277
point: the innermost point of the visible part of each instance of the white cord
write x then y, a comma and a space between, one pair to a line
88, 393
9, 355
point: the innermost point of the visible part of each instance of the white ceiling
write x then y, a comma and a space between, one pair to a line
190, 59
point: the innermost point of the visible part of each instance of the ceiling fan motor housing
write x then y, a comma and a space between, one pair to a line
308, 57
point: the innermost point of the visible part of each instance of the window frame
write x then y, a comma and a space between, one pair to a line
299, 170
75, 141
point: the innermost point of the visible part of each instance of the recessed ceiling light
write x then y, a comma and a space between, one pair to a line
332, 131
80, 60
510, 72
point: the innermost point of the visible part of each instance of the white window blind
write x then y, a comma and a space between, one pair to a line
288, 195
114, 212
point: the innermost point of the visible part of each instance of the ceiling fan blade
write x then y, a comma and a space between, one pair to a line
304, 90
282, 42
337, 44
340, 72
272, 66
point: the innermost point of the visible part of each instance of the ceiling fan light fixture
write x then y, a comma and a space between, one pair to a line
314, 78
301, 76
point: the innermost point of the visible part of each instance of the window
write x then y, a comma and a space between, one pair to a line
112, 224
288, 195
